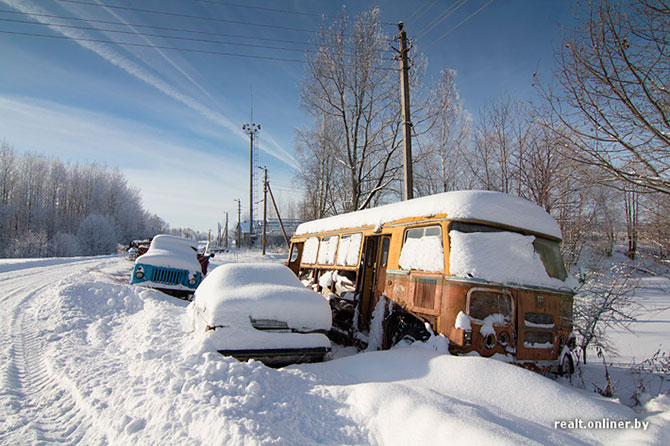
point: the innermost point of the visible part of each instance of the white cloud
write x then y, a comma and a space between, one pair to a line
182, 185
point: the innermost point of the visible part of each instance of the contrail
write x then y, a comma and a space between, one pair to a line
135, 70
158, 50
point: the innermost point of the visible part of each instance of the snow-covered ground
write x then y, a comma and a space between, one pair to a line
87, 359
651, 330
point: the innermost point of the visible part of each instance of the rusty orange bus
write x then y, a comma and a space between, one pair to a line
482, 268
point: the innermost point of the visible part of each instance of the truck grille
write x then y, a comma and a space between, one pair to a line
167, 276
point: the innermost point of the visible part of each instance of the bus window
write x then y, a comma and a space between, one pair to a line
294, 253
483, 303
385, 251
310, 250
422, 249
327, 249
350, 248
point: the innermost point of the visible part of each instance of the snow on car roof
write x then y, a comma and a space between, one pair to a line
170, 251
166, 241
261, 291
477, 205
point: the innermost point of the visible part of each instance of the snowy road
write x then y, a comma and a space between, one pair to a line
87, 359
41, 407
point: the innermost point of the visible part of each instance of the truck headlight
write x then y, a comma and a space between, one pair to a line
139, 275
191, 281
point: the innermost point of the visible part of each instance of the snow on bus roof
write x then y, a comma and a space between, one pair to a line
477, 205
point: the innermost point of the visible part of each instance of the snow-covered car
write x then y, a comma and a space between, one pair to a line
170, 265
261, 311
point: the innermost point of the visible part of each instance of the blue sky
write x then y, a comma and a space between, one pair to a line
171, 120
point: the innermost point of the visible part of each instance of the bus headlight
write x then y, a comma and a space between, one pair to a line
490, 340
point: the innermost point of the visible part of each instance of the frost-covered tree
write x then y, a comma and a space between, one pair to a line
65, 245
349, 85
439, 164
97, 234
30, 244
48, 197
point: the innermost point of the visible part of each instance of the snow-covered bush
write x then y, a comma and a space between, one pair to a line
97, 234
65, 245
603, 299
30, 244
650, 377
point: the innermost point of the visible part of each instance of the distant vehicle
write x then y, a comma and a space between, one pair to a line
170, 264
482, 268
136, 248
261, 311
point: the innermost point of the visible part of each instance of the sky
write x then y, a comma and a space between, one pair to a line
171, 120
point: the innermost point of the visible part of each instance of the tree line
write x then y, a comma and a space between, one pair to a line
594, 150
50, 208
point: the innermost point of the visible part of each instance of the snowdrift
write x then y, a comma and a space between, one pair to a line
87, 359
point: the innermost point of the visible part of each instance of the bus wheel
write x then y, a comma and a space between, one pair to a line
566, 367
405, 327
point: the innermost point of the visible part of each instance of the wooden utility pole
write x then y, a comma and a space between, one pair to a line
408, 191
281, 224
265, 205
239, 223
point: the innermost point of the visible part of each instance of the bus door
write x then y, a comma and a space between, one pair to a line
373, 276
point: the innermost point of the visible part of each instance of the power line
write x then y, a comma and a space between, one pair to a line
162, 28
446, 14
263, 8
412, 17
285, 11
314, 49
190, 39
188, 16
189, 50
457, 25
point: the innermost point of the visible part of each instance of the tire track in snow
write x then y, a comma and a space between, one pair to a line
44, 407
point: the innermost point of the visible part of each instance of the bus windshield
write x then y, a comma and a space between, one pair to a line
491, 253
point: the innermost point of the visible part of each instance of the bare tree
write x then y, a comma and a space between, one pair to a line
315, 151
605, 216
498, 145
614, 97
604, 300
438, 162
348, 85
656, 223
631, 200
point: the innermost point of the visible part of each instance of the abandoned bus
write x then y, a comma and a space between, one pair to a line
483, 268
